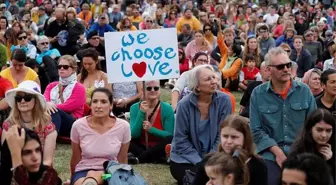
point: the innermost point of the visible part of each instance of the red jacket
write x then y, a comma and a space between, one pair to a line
184, 66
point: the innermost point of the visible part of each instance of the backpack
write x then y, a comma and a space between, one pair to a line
121, 174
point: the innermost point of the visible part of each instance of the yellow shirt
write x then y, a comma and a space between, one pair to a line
136, 19
194, 23
30, 75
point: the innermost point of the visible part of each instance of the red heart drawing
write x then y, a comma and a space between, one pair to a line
139, 69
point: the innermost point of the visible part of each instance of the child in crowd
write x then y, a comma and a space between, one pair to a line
249, 72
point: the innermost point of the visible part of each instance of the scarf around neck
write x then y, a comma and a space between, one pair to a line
68, 85
66, 81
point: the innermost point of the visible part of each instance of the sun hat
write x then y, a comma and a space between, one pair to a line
29, 87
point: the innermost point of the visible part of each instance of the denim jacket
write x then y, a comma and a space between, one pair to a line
186, 145
275, 121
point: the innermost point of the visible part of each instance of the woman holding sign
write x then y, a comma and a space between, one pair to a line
159, 127
197, 122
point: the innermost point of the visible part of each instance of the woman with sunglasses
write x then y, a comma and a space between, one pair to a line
180, 89
18, 72
65, 98
147, 23
25, 153
171, 20
209, 36
22, 39
318, 137
28, 111
159, 126
27, 24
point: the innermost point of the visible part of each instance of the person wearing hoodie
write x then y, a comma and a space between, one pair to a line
287, 38
301, 56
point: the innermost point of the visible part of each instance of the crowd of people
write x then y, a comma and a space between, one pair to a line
279, 54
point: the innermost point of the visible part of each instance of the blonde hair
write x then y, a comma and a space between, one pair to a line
72, 61
40, 116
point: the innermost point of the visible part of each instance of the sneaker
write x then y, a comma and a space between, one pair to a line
132, 159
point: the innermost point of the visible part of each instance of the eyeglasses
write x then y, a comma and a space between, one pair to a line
66, 67
282, 66
44, 43
202, 60
156, 88
22, 38
26, 98
149, 21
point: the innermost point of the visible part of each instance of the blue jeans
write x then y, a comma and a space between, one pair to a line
273, 172
63, 122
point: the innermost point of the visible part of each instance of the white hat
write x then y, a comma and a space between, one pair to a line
29, 87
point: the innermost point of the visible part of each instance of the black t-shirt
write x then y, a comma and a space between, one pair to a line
245, 101
319, 104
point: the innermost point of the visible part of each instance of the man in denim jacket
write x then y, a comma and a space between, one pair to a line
278, 110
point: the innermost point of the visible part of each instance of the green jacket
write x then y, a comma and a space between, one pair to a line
3, 55
167, 121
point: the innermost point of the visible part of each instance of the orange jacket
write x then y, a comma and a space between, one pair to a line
233, 71
233, 100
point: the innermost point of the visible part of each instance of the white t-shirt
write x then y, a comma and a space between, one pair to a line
271, 20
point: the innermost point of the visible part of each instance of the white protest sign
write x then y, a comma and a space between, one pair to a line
141, 55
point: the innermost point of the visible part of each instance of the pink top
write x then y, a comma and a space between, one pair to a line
192, 49
278, 30
75, 103
97, 148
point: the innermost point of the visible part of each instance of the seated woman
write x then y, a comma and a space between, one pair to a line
235, 133
318, 137
91, 75
18, 72
230, 64
312, 79
159, 127
30, 113
199, 44
26, 157
182, 82
96, 139
126, 25
66, 98
197, 122
22, 39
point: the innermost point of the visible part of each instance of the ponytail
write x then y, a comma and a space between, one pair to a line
242, 176
234, 164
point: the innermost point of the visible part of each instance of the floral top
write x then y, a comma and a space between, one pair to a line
49, 128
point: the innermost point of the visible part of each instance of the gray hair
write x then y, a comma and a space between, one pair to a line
42, 37
194, 76
274, 52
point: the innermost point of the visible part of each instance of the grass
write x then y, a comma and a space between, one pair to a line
155, 174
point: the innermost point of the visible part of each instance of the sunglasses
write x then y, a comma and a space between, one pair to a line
207, 29
150, 88
66, 67
22, 38
287, 50
44, 43
149, 21
282, 66
26, 98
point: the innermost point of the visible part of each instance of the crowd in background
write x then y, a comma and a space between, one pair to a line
280, 54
